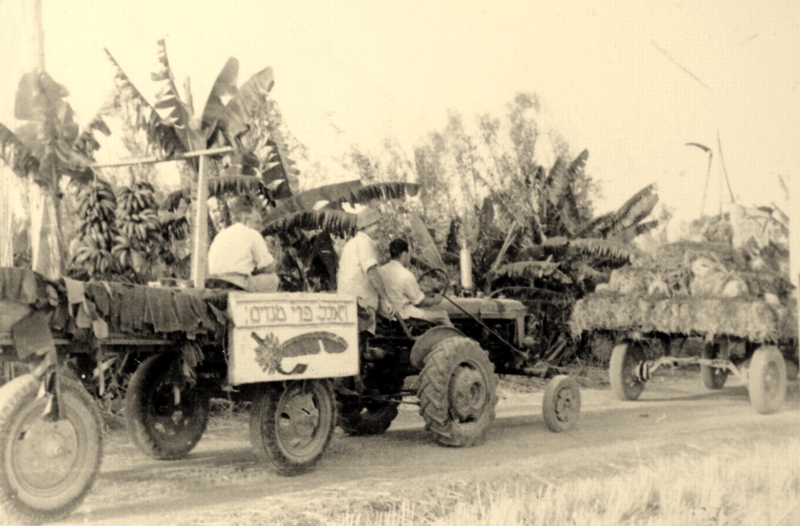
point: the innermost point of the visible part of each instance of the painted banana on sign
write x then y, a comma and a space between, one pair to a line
270, 352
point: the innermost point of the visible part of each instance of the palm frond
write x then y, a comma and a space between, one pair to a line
349, 191
233, 183
605, 249
337, 222
596, 227
424, 243
632, 232
635, 209
533, 269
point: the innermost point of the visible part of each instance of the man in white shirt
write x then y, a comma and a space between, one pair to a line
403, 289
358, 272
239, 253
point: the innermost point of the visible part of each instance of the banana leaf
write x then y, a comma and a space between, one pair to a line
224, 87
350, 191
605, 249
534, 269
424, 243
337, 222
168, 104
239, 110
15, 154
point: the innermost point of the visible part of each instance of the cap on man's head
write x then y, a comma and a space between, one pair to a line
367, 217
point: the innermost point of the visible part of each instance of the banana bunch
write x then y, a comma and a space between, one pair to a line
96, 208
137, 215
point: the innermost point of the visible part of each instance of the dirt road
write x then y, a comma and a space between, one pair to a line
221, 482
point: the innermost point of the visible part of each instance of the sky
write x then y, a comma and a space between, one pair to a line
632, 82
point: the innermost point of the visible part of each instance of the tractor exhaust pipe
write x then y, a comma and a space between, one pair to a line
465, 264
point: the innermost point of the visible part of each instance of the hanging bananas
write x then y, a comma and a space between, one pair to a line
138, 223
96, 208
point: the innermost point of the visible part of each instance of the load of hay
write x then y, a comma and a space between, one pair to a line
696, 289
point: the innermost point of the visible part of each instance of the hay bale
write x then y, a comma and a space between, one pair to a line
682, 254
747, 318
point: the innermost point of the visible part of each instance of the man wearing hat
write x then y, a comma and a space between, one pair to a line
358, 272
239, 253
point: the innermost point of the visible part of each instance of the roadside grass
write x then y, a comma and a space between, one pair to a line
758, 484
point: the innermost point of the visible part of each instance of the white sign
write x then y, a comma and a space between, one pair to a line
287, 336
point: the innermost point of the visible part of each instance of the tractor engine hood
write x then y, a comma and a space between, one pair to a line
485, 308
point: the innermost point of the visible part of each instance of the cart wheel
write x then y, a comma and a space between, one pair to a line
292, 427
713, 377
622, 371
767, 380
156, 425
561, 405
48, 466
457, 392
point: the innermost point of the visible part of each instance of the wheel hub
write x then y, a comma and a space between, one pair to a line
44, 452
564, 404
771, 378
467, 393
298, 419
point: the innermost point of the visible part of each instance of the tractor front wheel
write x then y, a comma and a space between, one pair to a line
561, 405
457, 392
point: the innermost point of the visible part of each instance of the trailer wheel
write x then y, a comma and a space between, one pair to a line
156, 425
561, 406
622, 370
767, 380
292, 426
367, 419
457, 392
48, 467
713, 377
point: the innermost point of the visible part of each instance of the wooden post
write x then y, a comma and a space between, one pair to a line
6, 218
200, 237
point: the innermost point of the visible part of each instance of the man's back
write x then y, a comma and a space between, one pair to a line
358, 255
238, 249
402, 288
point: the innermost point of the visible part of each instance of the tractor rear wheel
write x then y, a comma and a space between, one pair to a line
457, 392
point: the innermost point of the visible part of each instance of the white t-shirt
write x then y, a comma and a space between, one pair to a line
238, 249
358, 256
403, 290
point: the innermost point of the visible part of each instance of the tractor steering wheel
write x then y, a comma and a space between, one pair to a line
442, 276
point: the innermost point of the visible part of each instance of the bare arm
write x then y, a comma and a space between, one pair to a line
430, 301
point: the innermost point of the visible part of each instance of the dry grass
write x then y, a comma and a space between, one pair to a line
757, 486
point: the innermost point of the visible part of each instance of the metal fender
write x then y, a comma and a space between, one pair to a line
428, 341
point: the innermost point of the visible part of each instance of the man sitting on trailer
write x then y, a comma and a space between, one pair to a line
239, 253
358, 272
404, 291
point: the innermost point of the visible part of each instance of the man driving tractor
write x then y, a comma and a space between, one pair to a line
404, 291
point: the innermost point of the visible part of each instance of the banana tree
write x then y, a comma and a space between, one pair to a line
47, 146
257, 163
307, 222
